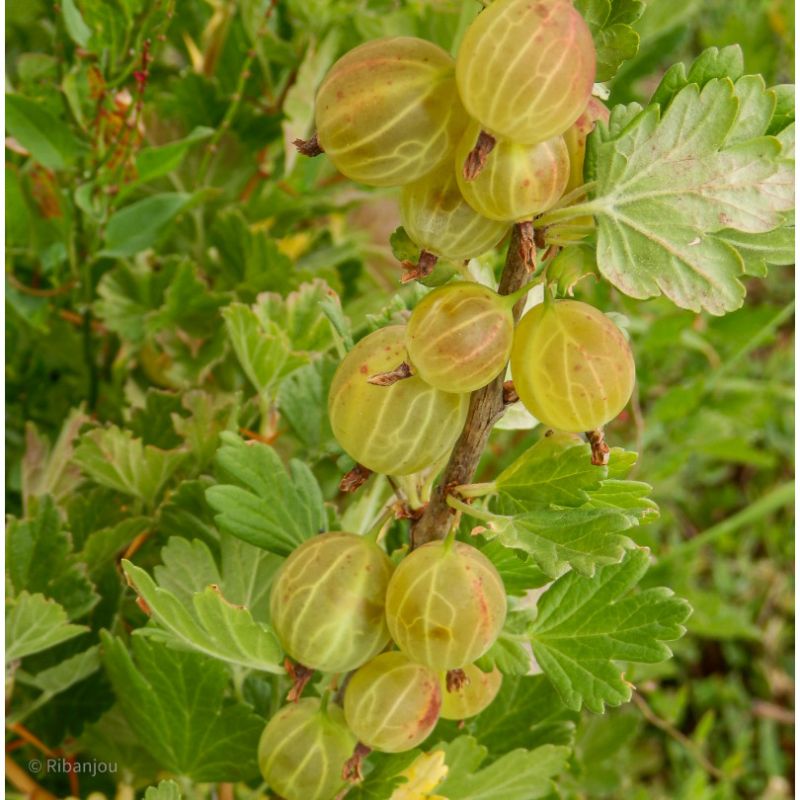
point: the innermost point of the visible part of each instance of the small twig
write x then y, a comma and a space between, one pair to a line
19, 286
20, 779
476, 159
399, 373
309, 147
678, 736
600, 449
424, 267
354, 479
765, 710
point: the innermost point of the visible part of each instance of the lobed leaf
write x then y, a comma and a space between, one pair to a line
615, 40
518, 775
175, 703
260, 502
586, 624
34, 623
670, 186
113, 458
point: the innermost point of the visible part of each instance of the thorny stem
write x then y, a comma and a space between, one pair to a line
485, 409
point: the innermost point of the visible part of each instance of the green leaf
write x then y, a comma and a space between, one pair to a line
516, 568
527, 712
139, 225
154, 162
557, 470
615, 40
34, 623
302, 402
260, 502
403, 247
113, 458
213, 626
758, 250
48, 139
712, 63
57, 679
518, 775
111, 739
77, 29
561, 509
175, 703
166, 790
586, 624
667, 185
50, 471
262, 348
209, 415
40, 560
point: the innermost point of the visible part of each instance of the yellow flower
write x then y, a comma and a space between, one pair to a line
424, 774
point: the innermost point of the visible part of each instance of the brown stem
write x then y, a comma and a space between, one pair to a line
423, 267
600, 449
527, 245
399, 373
485, 409
309, 147
354, 479
476, 159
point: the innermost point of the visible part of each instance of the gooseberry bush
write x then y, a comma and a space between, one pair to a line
323, 362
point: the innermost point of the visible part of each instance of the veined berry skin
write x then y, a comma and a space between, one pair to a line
459, 336
327, 602
472, 698
303, 749
392, 703
393, 430
439, 220
518, 181
572, 366
525, 68
388, 112
445, 605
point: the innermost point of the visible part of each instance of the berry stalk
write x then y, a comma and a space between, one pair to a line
485, 409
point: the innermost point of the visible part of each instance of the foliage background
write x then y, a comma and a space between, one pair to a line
133, 257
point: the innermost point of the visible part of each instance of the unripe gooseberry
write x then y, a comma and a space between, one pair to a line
440, 221
388, 111
445, 604
327, 602
397, 429
572, 366
473, 696
518, 181
525, 69
459, 336
303, 750
392, 703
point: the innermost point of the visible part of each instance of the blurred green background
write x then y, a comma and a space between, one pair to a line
106, 313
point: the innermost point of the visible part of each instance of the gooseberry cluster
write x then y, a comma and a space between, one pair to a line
477, 144
337, 604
